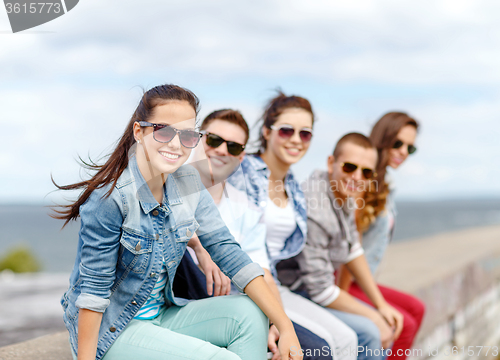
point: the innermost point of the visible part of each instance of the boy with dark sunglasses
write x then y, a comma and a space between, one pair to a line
333, 240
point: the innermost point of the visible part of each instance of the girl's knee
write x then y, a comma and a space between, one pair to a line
225, 354
410, 327
250, 311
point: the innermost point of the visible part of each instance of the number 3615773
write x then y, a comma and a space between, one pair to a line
33, 8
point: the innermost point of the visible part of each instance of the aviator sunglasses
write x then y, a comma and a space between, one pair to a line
287, 131
349, 168
165, 133
399, 143
214, 141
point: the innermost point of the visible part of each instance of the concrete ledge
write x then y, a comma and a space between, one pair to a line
457, 275
48, 347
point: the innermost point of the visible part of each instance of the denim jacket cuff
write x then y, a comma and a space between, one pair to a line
247, 274
91, 302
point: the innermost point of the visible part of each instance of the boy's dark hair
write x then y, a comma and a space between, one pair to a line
229, 115
353, 138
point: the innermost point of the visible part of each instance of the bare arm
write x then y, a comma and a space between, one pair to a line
89, 323
262, 295
344, 278
345, 302
272, 285
274, 335
217, 282
361, 271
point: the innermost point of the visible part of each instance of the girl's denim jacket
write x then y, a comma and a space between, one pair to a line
379, 235
124, 239
254, 179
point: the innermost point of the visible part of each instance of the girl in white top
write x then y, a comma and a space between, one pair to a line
285, 138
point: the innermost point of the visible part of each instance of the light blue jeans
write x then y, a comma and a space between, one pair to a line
222, 328
368, 334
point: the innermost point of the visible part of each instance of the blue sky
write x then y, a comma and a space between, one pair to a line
69, 87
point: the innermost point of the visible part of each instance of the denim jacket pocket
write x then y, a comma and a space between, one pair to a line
185, 231
135, 251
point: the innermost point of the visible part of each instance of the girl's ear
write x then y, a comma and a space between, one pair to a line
266, 132
137, 132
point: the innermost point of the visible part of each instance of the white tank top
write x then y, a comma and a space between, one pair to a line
280, 224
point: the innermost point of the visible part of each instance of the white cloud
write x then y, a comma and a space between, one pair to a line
429, 42
71, 91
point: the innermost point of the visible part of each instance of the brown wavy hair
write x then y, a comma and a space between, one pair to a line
117, 161
383, 136
274, 108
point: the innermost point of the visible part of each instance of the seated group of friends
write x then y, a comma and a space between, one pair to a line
318, 244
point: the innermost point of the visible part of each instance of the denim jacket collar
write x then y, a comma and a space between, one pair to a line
146, 199
261, 166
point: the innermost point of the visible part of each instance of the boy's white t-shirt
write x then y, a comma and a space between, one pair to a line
245, 221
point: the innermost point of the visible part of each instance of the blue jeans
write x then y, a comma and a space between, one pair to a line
368, 334
312, 344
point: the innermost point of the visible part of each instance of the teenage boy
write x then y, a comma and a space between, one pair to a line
225, 134
333, 240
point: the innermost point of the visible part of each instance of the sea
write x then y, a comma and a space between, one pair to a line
55, 248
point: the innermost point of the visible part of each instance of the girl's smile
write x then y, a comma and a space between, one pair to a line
170, 157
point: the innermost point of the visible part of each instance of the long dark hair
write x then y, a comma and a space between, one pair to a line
383, 136
118, 160
275, 108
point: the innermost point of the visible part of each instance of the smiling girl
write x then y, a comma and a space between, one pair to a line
137, 214
285, 137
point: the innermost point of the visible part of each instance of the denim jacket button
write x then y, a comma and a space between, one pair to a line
188, 232
155, 213
153, 274
138, 247
134, 302
112, 329
157, 236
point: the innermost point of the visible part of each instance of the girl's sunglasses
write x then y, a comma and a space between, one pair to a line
214, 141
349, 168
399, 143
165, 133
287, 131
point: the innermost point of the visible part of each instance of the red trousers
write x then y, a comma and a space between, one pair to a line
412, 309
